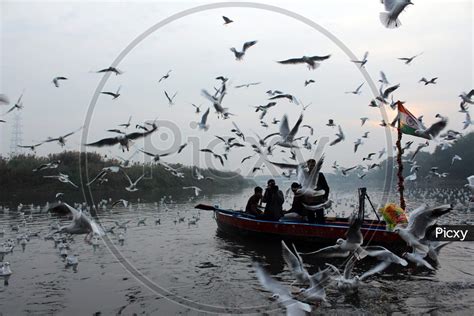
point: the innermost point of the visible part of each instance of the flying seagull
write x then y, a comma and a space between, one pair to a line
170, 99
203, 123
427, 82
114, 95
126, 125
363, 61
226, 20
56, 81
64, 178
357, 90
133, 184
287, 136
166, 76
393, 8
123, 140
239, 55
433, 131
61, 139
339, 137
246, 85
311, 61
408, 60
111, 69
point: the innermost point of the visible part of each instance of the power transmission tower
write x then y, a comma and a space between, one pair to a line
17, 134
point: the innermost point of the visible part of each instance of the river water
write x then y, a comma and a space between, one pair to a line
193, 270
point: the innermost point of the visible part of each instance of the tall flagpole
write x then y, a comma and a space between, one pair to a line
401, 180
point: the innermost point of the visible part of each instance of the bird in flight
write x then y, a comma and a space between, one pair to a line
408, 60
311, 61
393, 8
56, 81
165, 76
239, 55
357, 90
61, 139
226, 20
427, 82
170, 99
114, 95
246, 85
111, 69
363, 61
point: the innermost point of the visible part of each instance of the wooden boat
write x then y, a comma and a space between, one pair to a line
238, 223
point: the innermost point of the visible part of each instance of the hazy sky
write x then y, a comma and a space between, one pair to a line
41, 40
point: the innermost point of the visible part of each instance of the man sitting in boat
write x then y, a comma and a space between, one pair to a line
297, 206
254, 202
321, 185
273, 197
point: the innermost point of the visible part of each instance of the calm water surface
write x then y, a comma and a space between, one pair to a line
196, 262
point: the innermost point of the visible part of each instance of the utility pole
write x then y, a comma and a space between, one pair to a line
16, 137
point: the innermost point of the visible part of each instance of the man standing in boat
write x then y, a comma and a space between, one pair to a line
274, 199
321, 185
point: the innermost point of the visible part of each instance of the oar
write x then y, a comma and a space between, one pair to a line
205, 207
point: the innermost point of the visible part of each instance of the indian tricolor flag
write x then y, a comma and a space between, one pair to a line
407, 122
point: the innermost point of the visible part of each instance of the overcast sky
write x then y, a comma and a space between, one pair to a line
41, 40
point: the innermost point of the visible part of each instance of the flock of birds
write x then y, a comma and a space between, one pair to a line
310, 289
287, 140
81, 223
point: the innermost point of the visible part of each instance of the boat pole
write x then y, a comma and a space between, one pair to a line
401, 185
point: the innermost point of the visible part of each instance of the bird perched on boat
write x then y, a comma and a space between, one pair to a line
195, 188
433, 131
427, 82
339, 137
363, 61
64, 178
408, 60
123, 140
81, 224
418, 222
357, 90
344, 247
393, 8
61, 139
165, 76
111, 69
170, 99
239, 55
310, 61
226, 20
56, 81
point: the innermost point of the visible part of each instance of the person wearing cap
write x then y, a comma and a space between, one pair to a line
273, 199
297, 205
254, 202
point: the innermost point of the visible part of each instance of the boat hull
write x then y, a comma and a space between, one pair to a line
233, 223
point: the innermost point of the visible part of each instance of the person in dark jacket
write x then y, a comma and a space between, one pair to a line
254, 202
321, 185
297, 205
273, 199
